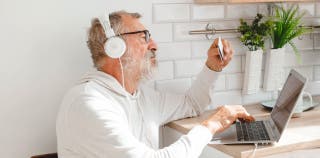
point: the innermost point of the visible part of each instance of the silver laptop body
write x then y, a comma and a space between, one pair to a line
270, 129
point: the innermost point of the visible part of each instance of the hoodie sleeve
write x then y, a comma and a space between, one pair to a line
172, 106
98, 130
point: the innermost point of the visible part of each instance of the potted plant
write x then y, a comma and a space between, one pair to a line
287, 25
253, 36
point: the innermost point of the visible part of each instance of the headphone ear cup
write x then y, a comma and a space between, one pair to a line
115, 47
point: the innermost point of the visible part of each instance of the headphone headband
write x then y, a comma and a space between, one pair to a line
105, 22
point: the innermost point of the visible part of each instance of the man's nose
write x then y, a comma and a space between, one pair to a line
152, 45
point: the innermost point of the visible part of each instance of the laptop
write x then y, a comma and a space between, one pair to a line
270, 129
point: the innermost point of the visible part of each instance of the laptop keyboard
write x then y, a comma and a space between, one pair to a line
251, 131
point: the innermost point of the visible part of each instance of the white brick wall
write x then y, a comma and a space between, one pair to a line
171, 12
258, 97
161, 32
220, 84
172, 51
317, 39
318, 9
307, 57
306, 71
182, 56
234, 81
239, 49
165, 70
181, 31
206, 12
263, 9
317, 73
174, 86
188, 68
226, 97
236, 11
303, 42
308, 8
200, 48
234, 66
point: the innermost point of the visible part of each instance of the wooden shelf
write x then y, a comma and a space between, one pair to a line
249, 1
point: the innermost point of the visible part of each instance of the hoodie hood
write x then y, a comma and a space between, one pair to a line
107, 81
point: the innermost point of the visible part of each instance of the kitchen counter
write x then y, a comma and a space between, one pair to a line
302, 132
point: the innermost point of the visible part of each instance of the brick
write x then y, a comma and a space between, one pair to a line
234, 81
258, 97
177, 50
318, 9
175, 86
303, 42
181, 31
220, 84
313, 88
308, 8
316, 73
238, 47
207, 12
264, 60
199, 49
161, 32
262, 78
242, 11
243, 63
226, 98
263, 9
234, 65
165, 70
307, 57
306, 71
188, 68
317, 40
171, 12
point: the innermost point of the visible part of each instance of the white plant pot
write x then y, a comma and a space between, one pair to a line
251, 83
273, 75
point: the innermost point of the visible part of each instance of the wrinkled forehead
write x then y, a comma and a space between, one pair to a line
131, 24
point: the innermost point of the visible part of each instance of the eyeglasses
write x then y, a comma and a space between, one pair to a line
147, 34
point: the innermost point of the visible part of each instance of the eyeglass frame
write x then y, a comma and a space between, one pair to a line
146, 33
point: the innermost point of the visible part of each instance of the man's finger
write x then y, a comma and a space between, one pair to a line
246, 116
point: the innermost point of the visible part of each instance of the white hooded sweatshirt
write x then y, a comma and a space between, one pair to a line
99, 119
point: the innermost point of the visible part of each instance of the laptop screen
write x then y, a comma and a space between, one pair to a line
287, 100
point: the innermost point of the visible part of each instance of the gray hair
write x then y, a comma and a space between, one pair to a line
97, 37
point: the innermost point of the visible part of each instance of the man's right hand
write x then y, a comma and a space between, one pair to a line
225, 116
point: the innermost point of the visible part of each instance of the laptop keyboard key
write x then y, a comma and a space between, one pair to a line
251, 131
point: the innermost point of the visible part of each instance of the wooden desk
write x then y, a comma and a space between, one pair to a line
301, 133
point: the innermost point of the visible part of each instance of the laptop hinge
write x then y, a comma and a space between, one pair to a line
272, 129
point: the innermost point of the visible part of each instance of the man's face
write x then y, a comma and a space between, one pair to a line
139, 58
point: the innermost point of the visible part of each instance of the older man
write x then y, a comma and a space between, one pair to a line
110, 114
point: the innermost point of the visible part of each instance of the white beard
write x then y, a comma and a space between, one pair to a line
143, 69
148, 67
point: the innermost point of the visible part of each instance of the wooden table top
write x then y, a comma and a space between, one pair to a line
302, 132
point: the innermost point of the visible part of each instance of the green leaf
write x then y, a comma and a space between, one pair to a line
286, 27
253, 35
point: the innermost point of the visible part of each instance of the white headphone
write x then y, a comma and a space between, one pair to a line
115, 46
